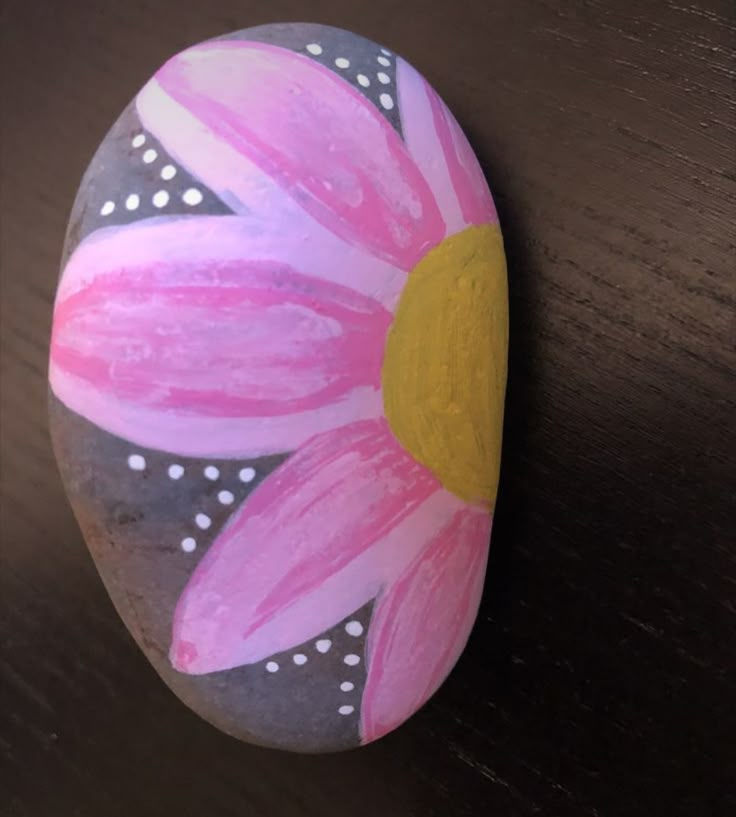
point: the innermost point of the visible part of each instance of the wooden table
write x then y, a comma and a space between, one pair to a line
599, 679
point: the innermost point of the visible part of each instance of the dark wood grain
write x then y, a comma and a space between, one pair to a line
599, 679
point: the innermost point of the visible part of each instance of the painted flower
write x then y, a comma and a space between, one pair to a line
352, 311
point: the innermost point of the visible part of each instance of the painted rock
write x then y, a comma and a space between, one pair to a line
277, 374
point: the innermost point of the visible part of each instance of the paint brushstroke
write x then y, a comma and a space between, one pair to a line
422, 621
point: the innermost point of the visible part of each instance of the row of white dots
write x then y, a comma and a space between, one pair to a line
386, 100
351, 659
160, 199
322, 645
137, 462
150, 155
343, 63
316, 49
354, 628
167, 172
363, 80
212, 473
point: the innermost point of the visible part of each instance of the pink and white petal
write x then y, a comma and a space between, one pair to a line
227, 239
281, 120
319, 538
199, 436
440, 149
208, 354
421, 622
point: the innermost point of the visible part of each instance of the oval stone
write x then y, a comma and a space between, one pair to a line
277, 376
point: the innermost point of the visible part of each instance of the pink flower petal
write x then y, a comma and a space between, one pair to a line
242, 115
318, 539
440, 149
205, 239
199, 352
422, 621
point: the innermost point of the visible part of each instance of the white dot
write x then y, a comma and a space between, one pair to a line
136, 462
160, 198
300, 659
384, 79
149, 156
211, 472
383, 61
346, 710
386, 52
132, 202
176, 471
247, 475
188, 544
323, 645
315, 49
168, 172
354, 628
363, 80
341, 62
203, 521
192, 196
352, 659
387, 101
107, 208
138, 140
347, 686
272, 666
226, 497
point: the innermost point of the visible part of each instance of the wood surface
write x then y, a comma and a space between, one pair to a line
599, 679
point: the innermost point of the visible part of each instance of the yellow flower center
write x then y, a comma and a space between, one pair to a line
444, 373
